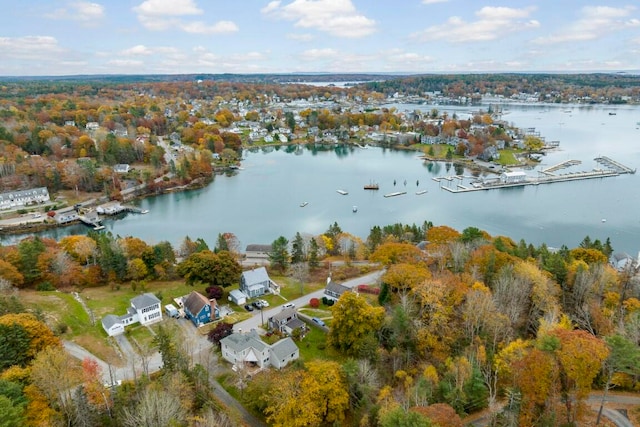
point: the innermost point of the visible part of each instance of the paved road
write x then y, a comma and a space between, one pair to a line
257, 319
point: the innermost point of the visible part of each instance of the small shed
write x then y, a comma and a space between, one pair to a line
238, 297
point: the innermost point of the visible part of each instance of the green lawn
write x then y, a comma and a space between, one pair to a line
507, 157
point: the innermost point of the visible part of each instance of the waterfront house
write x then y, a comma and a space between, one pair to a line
286, 321
199, 309
145, 309
334, 290
247, 349
20, 198
621, 261
513, 177
255, 282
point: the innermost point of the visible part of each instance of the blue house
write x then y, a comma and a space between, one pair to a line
199, 309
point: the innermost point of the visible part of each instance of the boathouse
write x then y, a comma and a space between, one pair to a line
513, 177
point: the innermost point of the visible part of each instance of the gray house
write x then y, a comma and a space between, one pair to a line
286, 321
249, 349
256, 282
334, 290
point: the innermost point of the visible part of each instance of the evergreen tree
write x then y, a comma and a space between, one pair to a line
221, 244
297, 249
279, 255
313, 254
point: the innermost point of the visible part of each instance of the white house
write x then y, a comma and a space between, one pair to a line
145, 309
334, 290
247, 348
19, 198
513, 177
621, 261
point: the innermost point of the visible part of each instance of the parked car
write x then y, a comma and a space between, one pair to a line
318, 322
257, 304
263, 303
288, 305
248, 307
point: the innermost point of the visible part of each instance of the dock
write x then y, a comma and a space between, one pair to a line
566, 164
343, 192
612, 164
395, 193
92, 220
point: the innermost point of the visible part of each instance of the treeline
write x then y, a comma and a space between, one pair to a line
549, 87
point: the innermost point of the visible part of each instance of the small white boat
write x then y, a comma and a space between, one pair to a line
303, 204
98, 227
343, 192
144, 211
421, 192
604, 220
355, 209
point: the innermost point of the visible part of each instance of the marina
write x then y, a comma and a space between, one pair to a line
546, 176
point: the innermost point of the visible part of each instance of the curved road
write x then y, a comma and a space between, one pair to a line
256, 320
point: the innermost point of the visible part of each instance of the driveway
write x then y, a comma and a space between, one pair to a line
260, 316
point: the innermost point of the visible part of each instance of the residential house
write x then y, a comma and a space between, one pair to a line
255, 282
334, 290
249, 349
199, 309
286, 321
19, 198
145, 309
258, 251
621, 261
121, 168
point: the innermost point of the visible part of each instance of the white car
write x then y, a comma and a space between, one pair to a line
263, 303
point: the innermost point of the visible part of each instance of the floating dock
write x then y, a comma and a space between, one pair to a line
395, 193
343, 192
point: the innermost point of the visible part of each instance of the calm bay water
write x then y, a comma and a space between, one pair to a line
262, 201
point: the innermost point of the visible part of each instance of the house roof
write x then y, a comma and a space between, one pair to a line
284, 348
237, 294
295, 323
195, 301
144, 300
257, 275
336, 287
244, 341
258, 248
284, 314
620, 256
109, 320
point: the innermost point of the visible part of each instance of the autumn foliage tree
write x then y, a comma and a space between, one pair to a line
354, 325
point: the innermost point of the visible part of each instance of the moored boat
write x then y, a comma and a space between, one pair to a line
303, 204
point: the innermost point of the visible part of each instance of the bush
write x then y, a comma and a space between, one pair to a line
214, 292
314, 302
45, 286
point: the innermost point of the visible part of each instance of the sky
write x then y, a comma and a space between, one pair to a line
71, 37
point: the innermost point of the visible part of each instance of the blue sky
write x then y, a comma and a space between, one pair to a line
50, 37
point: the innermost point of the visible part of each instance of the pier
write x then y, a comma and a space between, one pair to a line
563, 165
394, 194
547, 176
612, 164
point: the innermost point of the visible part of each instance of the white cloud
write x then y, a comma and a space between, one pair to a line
336, 17
29, 47
594, 22
137, 51
159, 15
492, 23
317, 54
167, 8
219, 27
82, 11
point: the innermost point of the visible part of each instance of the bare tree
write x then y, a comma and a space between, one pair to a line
155, 408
